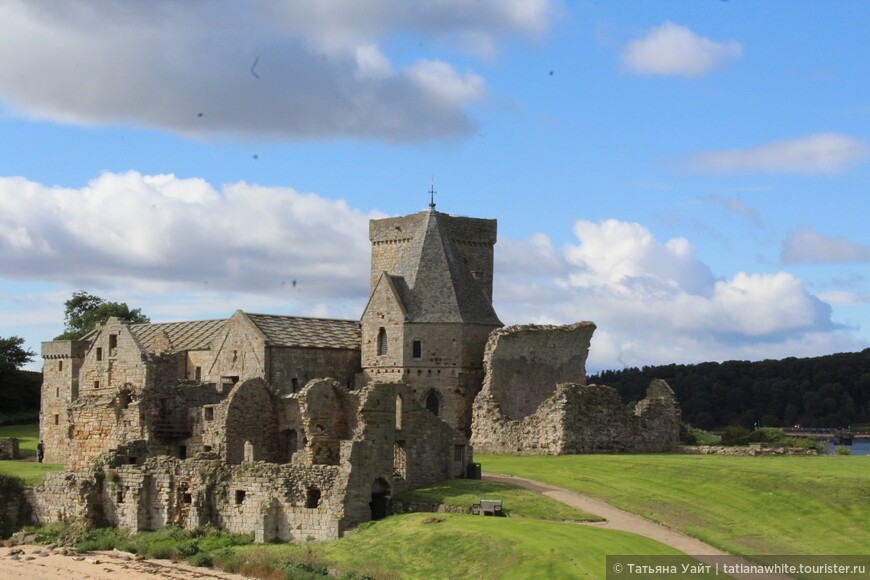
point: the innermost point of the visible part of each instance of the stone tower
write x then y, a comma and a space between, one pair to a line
430, 310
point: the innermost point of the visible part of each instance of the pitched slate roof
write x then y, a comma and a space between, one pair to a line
310, 332
435, 282
189, 335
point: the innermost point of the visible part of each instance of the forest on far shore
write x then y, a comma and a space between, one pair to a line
824, 391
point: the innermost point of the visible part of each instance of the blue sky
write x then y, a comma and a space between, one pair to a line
691, 176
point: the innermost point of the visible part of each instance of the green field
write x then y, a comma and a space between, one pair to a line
517, 502
744, 505
461, 546
28, 437
29, 470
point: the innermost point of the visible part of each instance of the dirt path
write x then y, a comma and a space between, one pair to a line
37, 563
617, 519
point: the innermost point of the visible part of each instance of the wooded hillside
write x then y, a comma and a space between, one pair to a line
825, 391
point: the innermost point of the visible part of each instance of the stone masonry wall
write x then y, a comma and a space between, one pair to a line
9, 448
523, 364
534, 399
580, 419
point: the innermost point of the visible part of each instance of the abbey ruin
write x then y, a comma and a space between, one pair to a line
301, 428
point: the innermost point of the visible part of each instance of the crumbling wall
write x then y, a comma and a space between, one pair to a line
534, 399
524, 363
9, 448
582, 419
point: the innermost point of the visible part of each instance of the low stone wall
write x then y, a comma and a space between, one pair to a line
743, 451
9, 448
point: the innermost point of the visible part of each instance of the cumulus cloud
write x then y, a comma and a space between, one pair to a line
162, 233
264, 68
656, 302
822, 153
675, 50
182, 249
803, 245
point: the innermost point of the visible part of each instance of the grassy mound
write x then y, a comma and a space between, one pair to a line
433, 546
744, 505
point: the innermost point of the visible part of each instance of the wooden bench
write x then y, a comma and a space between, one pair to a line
487, 507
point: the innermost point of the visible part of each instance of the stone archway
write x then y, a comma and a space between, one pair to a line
380, 495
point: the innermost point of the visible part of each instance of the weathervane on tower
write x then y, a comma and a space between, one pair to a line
432, 193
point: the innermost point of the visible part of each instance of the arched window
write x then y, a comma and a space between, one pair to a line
398, 411
382, 341
433, 403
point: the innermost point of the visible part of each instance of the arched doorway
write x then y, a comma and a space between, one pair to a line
380, 494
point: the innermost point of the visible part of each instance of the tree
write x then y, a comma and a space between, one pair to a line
83, 311
19, 390
12, 354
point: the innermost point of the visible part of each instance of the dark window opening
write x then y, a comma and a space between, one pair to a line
417, 348
113, 344
57, 392
433, 403
380, 494
60, 365
96, 384
57, 419
382, 341
240, 496
119, 497
312, 497
187, 498
208, 413
197, 373
99, 353
182, 451
131, 460
206, 448
295, 383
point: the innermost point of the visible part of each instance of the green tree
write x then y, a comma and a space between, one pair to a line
83, 311
19, 390
12, 354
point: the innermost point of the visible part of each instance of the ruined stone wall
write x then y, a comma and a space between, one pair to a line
392, 445
247, 423
400, 444
113, 359
238, 351
269, 500
290, 368
523, 364
580, 419
9, 448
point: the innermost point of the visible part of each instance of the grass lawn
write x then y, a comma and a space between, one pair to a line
517, 501
464, 546
27, 435
744, 505
30, 471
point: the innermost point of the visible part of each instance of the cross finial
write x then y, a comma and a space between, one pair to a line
432, 193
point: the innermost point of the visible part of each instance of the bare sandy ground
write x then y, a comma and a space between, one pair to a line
37, 563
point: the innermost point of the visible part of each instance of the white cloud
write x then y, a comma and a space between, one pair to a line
822, 153
803, 245
841, 298
264, 68
656, 303
181, 249
671, 49
162, 232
